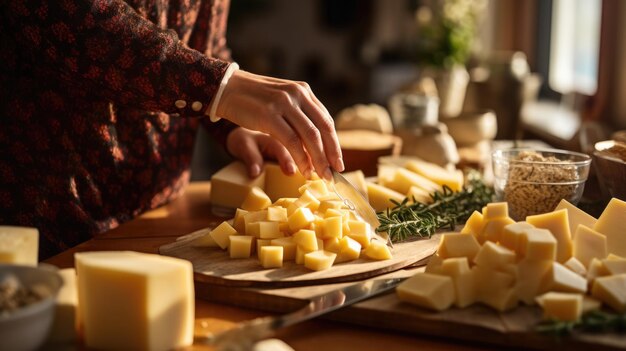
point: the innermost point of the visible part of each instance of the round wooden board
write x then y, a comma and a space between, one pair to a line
214, 266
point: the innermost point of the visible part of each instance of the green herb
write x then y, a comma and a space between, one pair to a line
447, 209
594, 321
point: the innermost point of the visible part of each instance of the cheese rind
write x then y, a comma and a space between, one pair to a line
153, 296
435, 292
557, 223
19, 245
611, 223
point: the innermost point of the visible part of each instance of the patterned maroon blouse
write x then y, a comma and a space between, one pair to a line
93, 130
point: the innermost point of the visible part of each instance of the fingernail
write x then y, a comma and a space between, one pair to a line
291, 168
328, 175
255, 170
339, 165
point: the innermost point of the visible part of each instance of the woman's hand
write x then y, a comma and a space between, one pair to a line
251, 147
289, 112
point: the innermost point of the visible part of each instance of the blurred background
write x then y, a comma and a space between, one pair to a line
472, 72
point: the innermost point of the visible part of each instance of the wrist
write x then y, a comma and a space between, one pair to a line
213, 111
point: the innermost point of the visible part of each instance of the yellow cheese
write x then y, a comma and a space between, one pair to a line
332, 245
205, 240
386, 173
221, 233
611, 291
240, 246
464, 288
455, 266
306, 239
458, 245
319, 260
589, 244
239, 222
256, 200
249, 220
493, 228
596, 269
259, 244
276, 214
377, 250
435, 292
361, 232
317, 188
65, 324
557, 223
493, 255
496, 210
278, 184
269, 230
512, 235
416, 194
474, 224
284, 201
231, 185
300, 219
576, 217
135, 301
437, 174
614, 266
612, 224
332, 227
349, 250
538, 244
559, 278
380, 197
19, 245
289, 247
300, 252
357, 179
494, 288
434, 264
590, 304
531, 274
329, 204
271, 256
307, 199
403, 180
567, 307
574, 265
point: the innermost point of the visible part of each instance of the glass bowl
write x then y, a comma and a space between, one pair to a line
534, 181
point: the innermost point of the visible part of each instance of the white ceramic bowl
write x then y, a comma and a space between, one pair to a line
27, 328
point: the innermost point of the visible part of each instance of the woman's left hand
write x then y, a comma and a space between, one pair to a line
252, 147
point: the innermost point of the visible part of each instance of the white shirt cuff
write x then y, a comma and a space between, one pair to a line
232, 68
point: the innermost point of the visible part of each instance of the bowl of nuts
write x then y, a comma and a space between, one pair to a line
27, 299
534, 181
610, 164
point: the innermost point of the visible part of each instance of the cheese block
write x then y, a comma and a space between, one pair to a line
65, 323
474, 224
380, 197
567, 307
574, 265
458, 245
231, 184
610, 290
589, 244
319, 260
538, 244
19, 245
240, 246
437, 174
278, 184
576, 216
332, 227
611, 223
531, 274
559, 278
135, 301
494, 256
316, 187
435, 292
403, 180
512, 235
557, 223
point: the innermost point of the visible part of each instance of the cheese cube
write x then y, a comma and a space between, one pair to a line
493, 228
317, 188
576, 217
596, 269
589, 244
349, 249
19, 245
205, 240
332, 227
380, 198
260, 243
240, 246
567, 307
574, 265
253, 229
496, 210
512, 235
538, 244
271, 256
65, 324
361, 232
231, 185
135, 301
377, 250
278, 184
464, 289
495, 289
458, 245
557, 223
269, 230
300, 252
531, 274
437, 174
307, 199
330, 204
403, 180
590, 304
494, 256
455, 266
320, 244
435, 292
306, 239
611, 223
239, 222
285, 201
610, 290
289, 247
501, 300
474, 224
332, 245
559, 278
434, 264
256, 200
221, 233
249, 220
276, 214
417, 194
319, 260
300, 219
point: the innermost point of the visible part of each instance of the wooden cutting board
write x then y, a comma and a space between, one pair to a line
214, 266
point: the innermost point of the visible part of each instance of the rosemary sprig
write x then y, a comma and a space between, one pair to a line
446, 210
594, 321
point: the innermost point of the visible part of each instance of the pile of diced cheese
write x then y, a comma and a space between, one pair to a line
566, 261
315, 229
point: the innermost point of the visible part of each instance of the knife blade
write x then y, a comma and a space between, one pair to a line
246, 334
355, 201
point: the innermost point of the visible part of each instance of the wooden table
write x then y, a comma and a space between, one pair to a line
193, 211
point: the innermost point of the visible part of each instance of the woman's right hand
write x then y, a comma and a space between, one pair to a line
288, 111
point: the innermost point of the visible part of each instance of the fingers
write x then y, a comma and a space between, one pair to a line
291, 140
270, 147
243, 145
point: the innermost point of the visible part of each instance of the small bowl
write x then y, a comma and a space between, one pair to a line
610, 166
27, 327
534, 181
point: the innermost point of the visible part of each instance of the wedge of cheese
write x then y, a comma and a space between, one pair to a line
231, 184
611, 223
610, 290
437, 174
589, 244
380, 197
576, 217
